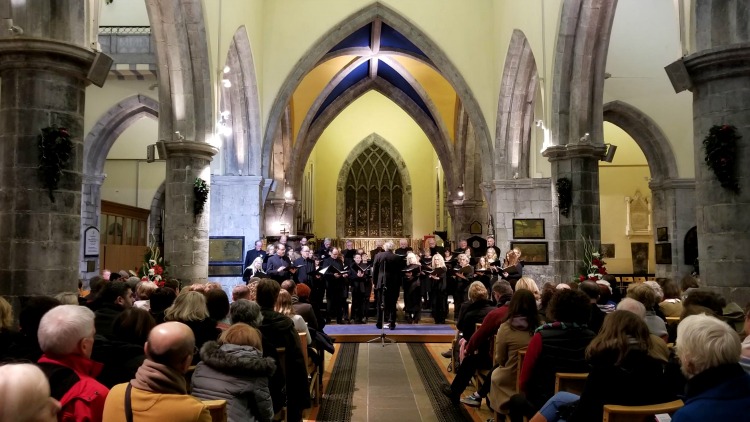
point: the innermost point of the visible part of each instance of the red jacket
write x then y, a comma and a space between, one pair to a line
482, 338
84, 401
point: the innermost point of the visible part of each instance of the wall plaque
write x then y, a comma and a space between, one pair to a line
91, 241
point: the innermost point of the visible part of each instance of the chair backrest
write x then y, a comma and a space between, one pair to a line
281, 351
673, 320
570, 382
189, 378
218, 410
519, 365
616, 413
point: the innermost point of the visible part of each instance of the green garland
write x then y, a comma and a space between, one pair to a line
720, 146
564, 195
200, 189
55, 151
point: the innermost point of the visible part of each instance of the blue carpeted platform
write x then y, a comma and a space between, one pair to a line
404, 333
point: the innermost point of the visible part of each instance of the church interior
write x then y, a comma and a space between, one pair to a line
165, 139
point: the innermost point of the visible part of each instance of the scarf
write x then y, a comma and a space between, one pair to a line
158, 378
558, 324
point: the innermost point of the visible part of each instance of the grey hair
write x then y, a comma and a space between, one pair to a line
23, 391
657, 289
631, 305
62, 327
67, 298
706, 342
246, 311
388, 246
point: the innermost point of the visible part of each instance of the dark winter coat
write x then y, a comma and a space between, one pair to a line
237, 374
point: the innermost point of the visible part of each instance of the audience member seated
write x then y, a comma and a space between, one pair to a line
123, 354
687, 284
659, 349
279, 330
240, 292
143, 292
557, 346
514, 334
478, 349
235, 370
159, 392
25, 395
596, 320
717, 388
114, 298
67, 298
302, 306
190, 309
252, 285
622, 372
217, 303
699, 301
66, 336
248, 312
606, 300
8, 332
25, 345
645, 294
160, 300
284, 307
96, 284
527, 283
745, 358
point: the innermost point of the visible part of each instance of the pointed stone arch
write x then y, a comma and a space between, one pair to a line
383, 143
647, 134
515, 110
339, 32
241, 150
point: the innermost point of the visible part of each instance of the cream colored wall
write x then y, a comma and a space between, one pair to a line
123, 13
132, 182
373, 113
627, 174
100, 100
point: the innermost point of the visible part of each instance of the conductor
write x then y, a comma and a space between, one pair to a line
386, 273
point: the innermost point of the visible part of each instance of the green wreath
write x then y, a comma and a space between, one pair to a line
720, 146
200, 190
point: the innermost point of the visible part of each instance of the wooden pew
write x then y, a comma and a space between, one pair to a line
570, 382
615, 413
218, 410
521, 356
314, 374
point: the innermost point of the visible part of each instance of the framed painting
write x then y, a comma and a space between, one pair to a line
532, 253
226, 250
528, 228
225, 270
662, 234
663, 253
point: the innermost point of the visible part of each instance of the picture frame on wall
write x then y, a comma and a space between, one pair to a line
663, 252
532, 253
662, 234
608, 250
226, 256
528, 228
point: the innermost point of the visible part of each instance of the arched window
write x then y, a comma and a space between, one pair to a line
374, 196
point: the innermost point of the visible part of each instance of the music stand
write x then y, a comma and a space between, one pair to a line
382, 337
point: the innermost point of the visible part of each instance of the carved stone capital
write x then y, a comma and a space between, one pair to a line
45, 54
657, 185
575, 150
192, 149
94, 179
719, 63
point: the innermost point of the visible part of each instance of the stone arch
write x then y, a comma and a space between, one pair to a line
339, 32
580, 60
110, 126
155, 223
647, 134
516, 109
179, 33
383, 143
440, 143
241, 150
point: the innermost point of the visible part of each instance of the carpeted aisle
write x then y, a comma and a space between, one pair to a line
336, 403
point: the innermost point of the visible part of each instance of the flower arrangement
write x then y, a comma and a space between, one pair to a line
200, 190
593, 266
55, 151
720, 146
153, 266
564, 195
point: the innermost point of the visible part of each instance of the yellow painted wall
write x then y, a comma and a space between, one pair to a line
374, 113
622, 178
123, 13
132, 182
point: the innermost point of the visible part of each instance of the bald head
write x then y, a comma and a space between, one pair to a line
171, 344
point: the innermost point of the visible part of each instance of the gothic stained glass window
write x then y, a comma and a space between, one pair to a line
374, 196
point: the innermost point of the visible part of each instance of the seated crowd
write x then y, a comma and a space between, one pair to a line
141, 351
657, 345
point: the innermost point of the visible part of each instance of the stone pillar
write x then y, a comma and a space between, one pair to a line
463, 214
674, 208
524, 198
91, 211
280, 214
578, 162
185, 234
720, 78
43, 77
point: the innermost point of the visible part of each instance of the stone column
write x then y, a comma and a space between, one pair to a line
718, 74
674, 208
91, 211
185, 234
43, 75
463, 214
578, 162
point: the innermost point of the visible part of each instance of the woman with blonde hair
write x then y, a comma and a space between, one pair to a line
67, 298
528, 283
143, 294
439, 286
284, 306
8, 330
463, 277
412, 289
492, 262
25, 394
190, 309
234, 369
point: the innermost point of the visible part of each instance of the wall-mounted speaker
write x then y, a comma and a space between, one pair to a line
99, 69
610, 153
150, 153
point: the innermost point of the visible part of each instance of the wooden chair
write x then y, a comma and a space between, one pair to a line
615, 413
313, 371
218, 410
570, 382
627, 279
521, 356
640, 279
673, 320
